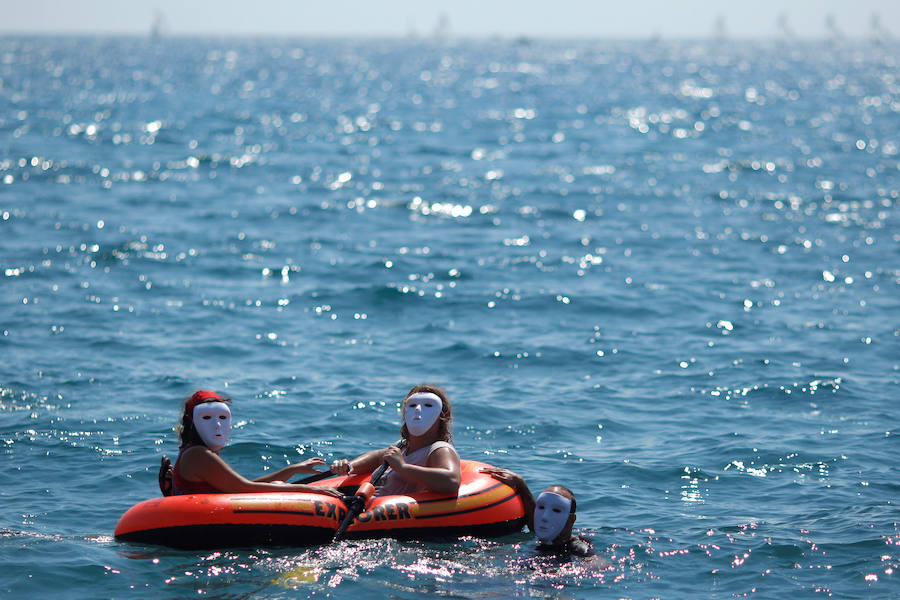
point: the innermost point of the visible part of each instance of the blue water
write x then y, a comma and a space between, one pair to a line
663, 274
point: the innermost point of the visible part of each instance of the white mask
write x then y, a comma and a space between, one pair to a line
421, 411
212, 420
551, 513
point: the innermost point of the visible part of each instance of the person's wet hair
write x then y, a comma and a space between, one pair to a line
565, 493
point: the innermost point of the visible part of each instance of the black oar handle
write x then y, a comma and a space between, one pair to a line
356, 504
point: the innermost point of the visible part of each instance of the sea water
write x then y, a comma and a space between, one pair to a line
664, 274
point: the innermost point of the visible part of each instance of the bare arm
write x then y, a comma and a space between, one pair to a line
441, 473
365, 463
516, 482
201, 464
307, 466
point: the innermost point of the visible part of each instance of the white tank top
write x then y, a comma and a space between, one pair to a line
394, 483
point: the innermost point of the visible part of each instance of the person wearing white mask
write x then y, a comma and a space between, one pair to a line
425, 459
551, 517
204, 430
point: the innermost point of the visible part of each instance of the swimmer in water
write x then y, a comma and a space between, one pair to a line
204, 430
551, 517
427, 461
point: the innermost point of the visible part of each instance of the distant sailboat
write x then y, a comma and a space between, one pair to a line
442, 28
880, 34
411, 32
834, 31
785, 31
158, 28
720, 30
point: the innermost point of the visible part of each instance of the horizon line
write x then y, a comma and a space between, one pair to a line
516, 37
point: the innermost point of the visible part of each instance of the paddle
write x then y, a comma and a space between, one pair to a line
357, 503
316, 477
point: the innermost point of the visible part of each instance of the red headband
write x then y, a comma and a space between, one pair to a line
200, 397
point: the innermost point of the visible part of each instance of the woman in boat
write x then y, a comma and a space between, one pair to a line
204, 430
425, 459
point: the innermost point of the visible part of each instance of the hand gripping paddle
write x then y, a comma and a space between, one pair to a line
357, 504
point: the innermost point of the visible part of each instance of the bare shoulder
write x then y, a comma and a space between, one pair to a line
197, 459
195, 452
443, 456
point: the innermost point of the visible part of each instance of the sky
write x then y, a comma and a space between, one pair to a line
461, 18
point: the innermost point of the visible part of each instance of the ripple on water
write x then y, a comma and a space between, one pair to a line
657, 272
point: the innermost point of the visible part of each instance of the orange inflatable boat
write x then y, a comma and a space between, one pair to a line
484, 507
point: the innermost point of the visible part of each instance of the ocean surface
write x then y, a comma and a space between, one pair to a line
664, 274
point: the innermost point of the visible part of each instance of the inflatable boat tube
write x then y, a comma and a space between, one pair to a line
483, 507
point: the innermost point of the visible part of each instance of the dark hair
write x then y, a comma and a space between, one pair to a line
185, 429
565, 492
446, 411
